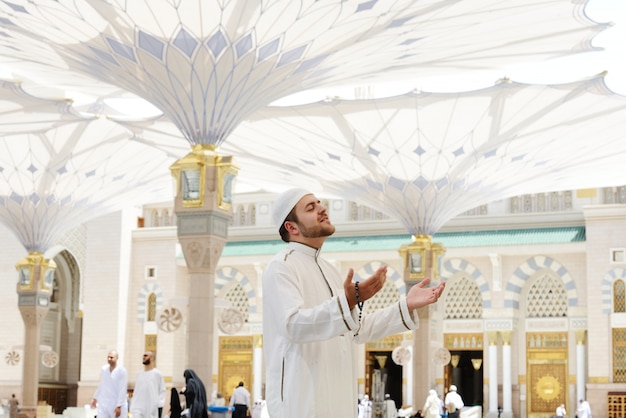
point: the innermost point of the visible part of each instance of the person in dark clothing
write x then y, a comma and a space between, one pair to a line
195, 396
175, 407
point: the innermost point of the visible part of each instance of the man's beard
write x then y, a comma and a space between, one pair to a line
317, 231
146, 362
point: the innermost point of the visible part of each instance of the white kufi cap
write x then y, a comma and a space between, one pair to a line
453, 388
285, 203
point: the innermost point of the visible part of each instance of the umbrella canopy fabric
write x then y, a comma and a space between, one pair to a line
59, 169
424, 158
210, 64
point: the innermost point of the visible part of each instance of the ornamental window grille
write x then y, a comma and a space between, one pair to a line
354, 211
252, 215
547, 298
619, 355
385, 297
239, 299
619, 296
150, 343
241, 215
542, 202
463, 300
612, 195
154, 218
152, 303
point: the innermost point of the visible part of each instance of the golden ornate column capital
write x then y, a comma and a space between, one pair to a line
581, 336
257, 341
506, 337
492, 336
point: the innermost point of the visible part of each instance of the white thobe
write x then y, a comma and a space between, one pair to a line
147, 395
584, 410
111, 392
309, 336
390, 409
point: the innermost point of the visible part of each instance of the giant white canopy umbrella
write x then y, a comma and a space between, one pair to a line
210, 64
424, 158
59, 169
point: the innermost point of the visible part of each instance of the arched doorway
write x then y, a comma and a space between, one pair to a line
61, 336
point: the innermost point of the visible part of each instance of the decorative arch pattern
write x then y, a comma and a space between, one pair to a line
142, 300
227, 275
392, 275
529, 268
456, 265
390, 293
607, 288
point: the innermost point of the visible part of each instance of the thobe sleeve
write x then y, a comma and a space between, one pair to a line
299, 323
122, 385
394, 319
161, 391
96, 395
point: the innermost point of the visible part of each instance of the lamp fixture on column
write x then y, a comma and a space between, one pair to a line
190, 177
35, 279
422, 258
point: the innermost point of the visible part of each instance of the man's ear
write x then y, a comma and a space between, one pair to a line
292, 228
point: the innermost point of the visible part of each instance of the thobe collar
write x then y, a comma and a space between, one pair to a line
306, 249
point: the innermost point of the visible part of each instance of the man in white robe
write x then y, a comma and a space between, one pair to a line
149, 392
312, 317
110, 397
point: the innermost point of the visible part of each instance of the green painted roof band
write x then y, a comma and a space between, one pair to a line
448, 239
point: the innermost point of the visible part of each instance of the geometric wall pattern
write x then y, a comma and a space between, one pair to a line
455, 266
546, 298
529, 268
463, 300
239, 300
390, 293
227, 277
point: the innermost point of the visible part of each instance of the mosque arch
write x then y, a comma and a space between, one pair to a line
528, 270
456, 267
607, 288
619, 296
67, 282
143, 301
61, 330
546, 296
394, 286
226, 279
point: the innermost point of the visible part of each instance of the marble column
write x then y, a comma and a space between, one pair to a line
581, 336
257, 368
203, 210
423, 373
34, 288
507, 388
493, 373
421, 260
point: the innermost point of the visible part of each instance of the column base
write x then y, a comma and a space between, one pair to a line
500, 415
27, 412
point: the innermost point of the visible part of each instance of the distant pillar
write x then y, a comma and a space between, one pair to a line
493, 372
580, 365
34, 288
421, 259
203, 211
507, 388
257, 365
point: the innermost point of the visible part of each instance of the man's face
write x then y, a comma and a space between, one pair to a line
313, 221
112, 359
147, 359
